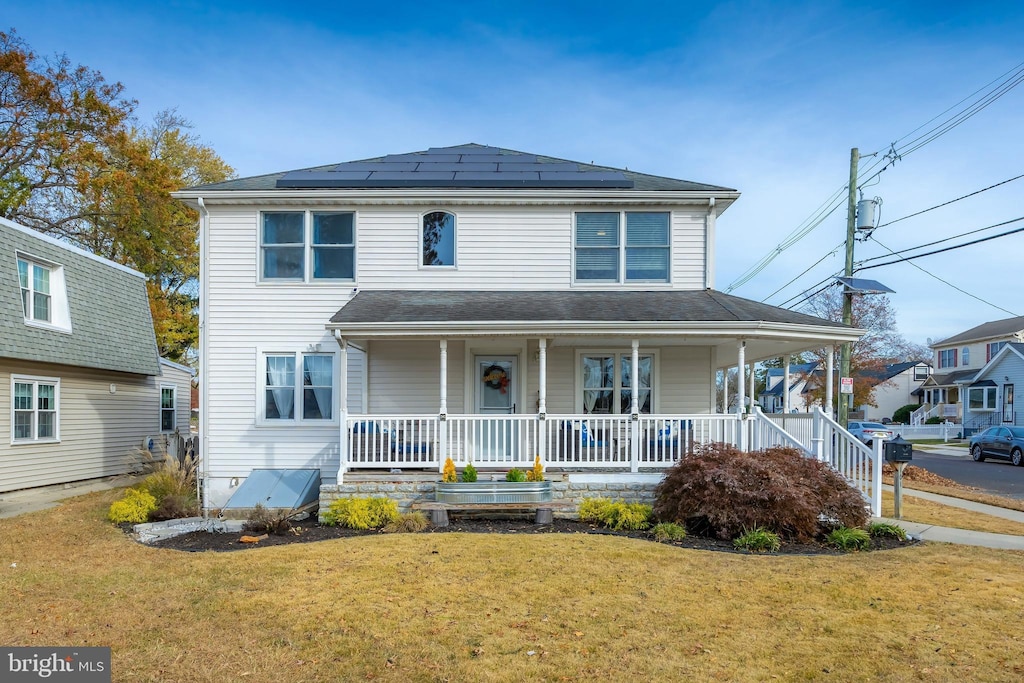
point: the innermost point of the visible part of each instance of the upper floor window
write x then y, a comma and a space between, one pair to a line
168, 412
34, 411
290, 251
36, 299
947, 358
438, 239
627, 246
920, 372
992, 349
965, 357
298, 396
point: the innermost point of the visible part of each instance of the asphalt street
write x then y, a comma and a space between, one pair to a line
998, 477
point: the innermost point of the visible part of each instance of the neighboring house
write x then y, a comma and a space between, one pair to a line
469, 302
991, 393
898, 385
81, 386
772, 400
959, 358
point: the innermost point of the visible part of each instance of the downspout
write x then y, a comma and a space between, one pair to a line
203, 481
709, 246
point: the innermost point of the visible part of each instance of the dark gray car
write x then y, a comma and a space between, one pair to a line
999, 442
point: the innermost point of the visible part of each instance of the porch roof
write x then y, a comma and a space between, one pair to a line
703, 317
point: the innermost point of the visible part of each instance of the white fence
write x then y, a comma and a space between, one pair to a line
945, 431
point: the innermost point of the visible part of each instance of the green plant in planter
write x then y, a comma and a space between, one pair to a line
448, 475
515, 474
469, 474
846, 538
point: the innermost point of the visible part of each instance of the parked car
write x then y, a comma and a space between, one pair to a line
868, 431
999, 442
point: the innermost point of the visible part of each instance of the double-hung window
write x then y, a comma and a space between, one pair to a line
168, 413
920, 372
992, 349
298, 387
34, 409
947, 358
981, 398
35, 291
625, 246
607, 384
307, 246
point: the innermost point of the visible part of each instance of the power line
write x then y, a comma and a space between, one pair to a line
830, 253
950, 284
951, 201
944, 239
957, 246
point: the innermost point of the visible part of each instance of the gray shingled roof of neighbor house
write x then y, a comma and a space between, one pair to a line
415, 306
111, 324
461, 166
994, 328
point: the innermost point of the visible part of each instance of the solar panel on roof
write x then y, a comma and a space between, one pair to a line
462, 166
502, 158
493, 175
423, 157
411, 175
376, 166
464, 149
320, 178
537, 166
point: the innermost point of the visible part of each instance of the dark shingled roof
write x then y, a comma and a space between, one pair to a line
989, 330
411, 306
952, 377
462, 166
892, 370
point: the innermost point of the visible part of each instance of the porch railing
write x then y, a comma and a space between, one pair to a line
860, 465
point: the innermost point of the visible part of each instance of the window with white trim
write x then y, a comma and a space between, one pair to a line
34, 409
947, 358
307, 246
981, 398
36, 299
168, 412
624, 246
965, 357
920, 372
606, 383
992, 349
298, 387
438, 237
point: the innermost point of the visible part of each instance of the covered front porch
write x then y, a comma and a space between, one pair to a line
484, 378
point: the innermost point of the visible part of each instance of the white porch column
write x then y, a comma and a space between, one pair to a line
830, 379
725, 390
741, 364
442, 423
343, 403
753, 397
786, 360
634, 408
542, 380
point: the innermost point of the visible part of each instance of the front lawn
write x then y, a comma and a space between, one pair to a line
472, 607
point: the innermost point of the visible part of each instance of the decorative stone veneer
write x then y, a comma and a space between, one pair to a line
562, 488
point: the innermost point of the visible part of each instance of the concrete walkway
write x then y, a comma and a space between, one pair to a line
32, 500
928, 532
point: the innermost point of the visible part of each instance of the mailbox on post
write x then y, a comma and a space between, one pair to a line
898, 450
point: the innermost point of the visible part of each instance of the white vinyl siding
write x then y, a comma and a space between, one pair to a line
99, 430
405, 378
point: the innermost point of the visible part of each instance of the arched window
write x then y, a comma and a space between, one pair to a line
965, 357
438, 239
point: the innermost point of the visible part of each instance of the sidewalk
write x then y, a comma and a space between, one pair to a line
927, 532
32, 500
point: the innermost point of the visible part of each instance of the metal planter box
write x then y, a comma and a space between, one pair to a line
494, 492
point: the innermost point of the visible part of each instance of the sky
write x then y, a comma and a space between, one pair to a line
767, 98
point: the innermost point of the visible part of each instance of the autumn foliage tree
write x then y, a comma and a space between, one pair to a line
75, 164
881, 345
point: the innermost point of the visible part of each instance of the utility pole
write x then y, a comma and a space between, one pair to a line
846, 400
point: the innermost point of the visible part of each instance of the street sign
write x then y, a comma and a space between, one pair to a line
845, 385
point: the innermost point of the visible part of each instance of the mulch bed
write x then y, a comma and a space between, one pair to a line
311, 532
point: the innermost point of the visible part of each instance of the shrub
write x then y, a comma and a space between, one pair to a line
469, 474
409, 523
448, 475
721, 491
934, 420
902, 414
846, 538
620, 516
361, 513
535, 473
668, 531
134, 507
515, 474
758, 540
886, 530
175, 507
265, 521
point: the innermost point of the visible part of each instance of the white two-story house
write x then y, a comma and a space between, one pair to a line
471, 302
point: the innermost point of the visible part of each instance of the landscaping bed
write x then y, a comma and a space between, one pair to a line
220, 542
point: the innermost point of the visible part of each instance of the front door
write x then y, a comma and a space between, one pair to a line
1008, 403
497, 385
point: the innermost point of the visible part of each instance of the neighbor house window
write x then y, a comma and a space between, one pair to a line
607, 385
992, 349
34, 409
35, 291
168, 413
947, 358
627, 246
920, 372
981, 398
307, 395
965, 357
438, 239
286, 246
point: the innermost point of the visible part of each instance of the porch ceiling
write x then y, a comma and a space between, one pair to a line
577, 317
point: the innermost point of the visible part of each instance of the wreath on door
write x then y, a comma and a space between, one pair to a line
495, 377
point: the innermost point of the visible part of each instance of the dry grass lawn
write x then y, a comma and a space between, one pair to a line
928, 512
455, 607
